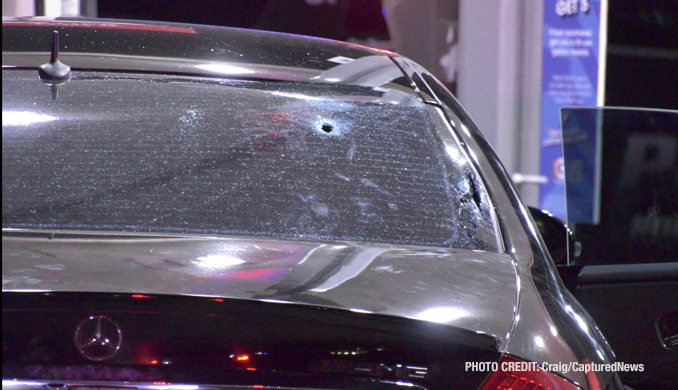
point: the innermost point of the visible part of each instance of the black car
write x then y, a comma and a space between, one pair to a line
189, 207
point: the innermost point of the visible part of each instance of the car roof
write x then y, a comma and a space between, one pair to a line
172, 48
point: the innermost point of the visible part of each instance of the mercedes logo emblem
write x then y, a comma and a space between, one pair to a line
98, 338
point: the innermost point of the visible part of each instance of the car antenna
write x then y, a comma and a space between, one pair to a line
54, 72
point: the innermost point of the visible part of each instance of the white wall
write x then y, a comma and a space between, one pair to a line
18, 8
499, 79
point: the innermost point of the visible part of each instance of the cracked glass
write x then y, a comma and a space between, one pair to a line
143, 153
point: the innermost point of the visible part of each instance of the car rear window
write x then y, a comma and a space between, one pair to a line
189, 155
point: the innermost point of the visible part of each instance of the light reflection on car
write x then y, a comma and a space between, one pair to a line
344, 218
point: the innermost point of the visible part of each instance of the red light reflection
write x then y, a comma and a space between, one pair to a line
146, 353
140, 296
99, 25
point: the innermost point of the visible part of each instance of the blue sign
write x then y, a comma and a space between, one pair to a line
573, 75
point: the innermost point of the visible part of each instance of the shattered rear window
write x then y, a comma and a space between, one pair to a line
191, 155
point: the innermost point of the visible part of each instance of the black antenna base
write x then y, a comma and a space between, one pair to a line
55, 71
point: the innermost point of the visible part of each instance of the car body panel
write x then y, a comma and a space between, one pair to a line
190, 342
439, 285
204, 43
524, 304
140, 47
549, 318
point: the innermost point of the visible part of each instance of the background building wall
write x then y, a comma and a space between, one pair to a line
499, 80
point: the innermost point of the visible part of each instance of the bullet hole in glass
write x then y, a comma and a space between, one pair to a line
327, 128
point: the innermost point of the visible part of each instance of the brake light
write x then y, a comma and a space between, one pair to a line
533, 378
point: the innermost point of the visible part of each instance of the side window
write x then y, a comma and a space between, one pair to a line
621, 172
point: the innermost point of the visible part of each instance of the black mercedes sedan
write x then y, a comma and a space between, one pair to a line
188, 207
